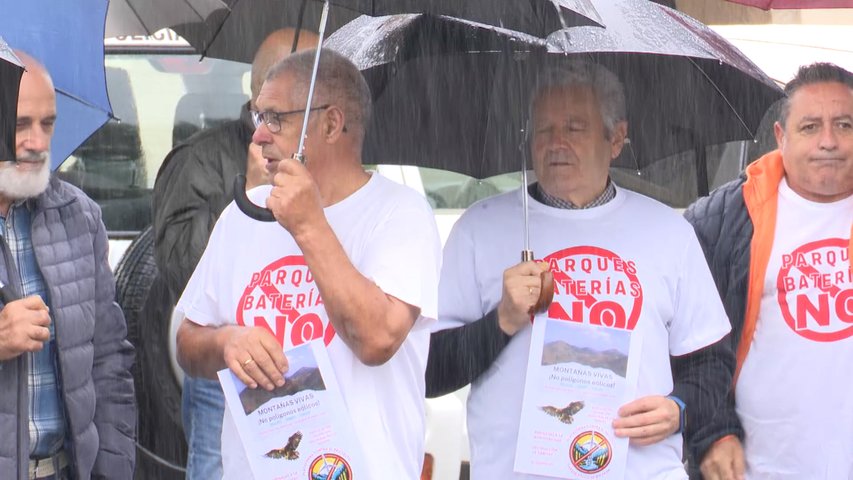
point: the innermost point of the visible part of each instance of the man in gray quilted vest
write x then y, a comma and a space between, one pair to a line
67, 408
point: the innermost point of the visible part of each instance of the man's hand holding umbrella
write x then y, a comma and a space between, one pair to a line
521, 286
295, 199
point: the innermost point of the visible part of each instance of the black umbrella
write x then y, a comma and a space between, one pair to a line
233, 29
11, 70
461, 105
235, 33
686, 86
495, 11
448, 94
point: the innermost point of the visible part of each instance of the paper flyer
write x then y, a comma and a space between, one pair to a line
300, 430
578, 375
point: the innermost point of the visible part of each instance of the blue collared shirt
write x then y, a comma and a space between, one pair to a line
47, 419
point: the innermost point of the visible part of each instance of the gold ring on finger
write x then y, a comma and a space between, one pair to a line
530, 290
247, 362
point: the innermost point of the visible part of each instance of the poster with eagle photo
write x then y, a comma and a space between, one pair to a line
299, 430
578, 375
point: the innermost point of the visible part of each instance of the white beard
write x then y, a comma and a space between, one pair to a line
19, 184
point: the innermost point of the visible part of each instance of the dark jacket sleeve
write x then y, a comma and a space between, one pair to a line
194, 185
115, 413
702, 380
724, 230
458, 356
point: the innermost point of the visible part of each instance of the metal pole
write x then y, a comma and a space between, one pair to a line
526, 254
299, 155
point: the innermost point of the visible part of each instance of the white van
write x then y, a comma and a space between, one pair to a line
161, 93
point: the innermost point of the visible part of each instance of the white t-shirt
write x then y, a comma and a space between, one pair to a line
253, 273
633, 251
794, 395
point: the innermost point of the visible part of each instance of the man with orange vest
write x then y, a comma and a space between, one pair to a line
779, 241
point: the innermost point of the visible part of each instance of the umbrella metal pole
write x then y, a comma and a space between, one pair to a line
240, 198
526, 254
546, 278
299, 155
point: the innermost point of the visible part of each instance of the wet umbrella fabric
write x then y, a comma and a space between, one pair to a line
235, 33
795, 4
232, 29
465, 109
446, 91
686, 86
497, 11
11, 70
67, 37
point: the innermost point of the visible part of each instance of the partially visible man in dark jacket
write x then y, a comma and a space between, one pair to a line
67, 407
193, 186
778, 241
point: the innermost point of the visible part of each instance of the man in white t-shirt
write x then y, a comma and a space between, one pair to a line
620, 260
353, 260
779, 241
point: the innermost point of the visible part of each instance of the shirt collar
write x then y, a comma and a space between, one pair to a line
537, 192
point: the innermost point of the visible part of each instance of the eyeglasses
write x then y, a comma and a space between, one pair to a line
273, 119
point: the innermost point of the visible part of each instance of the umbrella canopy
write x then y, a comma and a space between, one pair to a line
68, 38
789, 4
11, 70
236, 32
536, 14
233, 29
447, 92
686, 86
462, 106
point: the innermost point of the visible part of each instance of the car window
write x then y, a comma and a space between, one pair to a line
158, 100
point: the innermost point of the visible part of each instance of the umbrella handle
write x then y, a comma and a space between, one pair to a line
546, 294
546, 290
246, 206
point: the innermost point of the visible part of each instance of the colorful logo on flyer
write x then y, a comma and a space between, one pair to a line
283, 298
330, 466
815, 290
590, 452
595, 286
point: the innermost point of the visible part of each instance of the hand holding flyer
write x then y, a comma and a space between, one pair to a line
578, 375
299, 430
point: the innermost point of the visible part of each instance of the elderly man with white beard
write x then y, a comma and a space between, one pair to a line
63, 347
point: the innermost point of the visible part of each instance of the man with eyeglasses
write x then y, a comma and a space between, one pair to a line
352, 261
194, 185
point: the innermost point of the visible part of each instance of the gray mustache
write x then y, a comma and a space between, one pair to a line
33, 157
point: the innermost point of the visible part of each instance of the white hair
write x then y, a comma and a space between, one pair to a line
604, 83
